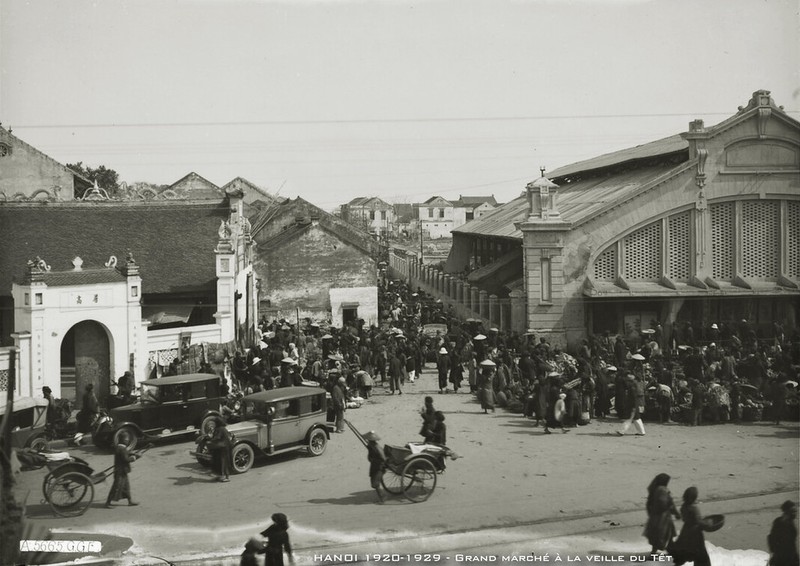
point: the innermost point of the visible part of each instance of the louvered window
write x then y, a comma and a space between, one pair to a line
793, 245
760, 246
679, 246
643, 253
605, 266
722, 241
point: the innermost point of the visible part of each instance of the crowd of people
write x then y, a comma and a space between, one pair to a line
729, 375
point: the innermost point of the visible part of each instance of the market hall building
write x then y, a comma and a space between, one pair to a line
702, 227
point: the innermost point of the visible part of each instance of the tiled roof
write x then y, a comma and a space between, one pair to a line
173, 242
442, 200
474, 201
84, 277
286, 215
240, 183
194, 186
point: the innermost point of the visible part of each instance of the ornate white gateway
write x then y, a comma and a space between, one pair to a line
78, 326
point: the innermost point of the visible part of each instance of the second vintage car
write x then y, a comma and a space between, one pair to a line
273, 422
167, 407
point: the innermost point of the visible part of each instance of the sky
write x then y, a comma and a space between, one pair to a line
334, 99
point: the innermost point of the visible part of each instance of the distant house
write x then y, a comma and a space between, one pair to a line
406, 222
312, 264
469, 208
372, 213
435, 217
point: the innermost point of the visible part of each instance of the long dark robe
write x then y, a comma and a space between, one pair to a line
690, 545
277, 542
121, 488
660, 530
782, 541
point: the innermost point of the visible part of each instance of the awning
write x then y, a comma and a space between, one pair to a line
168, 314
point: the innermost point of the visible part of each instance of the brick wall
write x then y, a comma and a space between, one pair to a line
299, 274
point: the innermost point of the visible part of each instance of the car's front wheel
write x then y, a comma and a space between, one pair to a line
242, 458
203, 455
209, 425
128, 436
38, 444
317, 442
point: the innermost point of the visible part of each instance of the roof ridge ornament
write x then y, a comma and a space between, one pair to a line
112, 262
95, 193
38, 264
77, 264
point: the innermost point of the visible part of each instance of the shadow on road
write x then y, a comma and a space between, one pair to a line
366, 497
188, 480
791, 433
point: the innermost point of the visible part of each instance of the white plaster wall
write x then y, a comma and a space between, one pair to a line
49, 322
366, 297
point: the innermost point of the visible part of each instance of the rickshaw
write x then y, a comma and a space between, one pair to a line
411, 470
27, 421
69, 485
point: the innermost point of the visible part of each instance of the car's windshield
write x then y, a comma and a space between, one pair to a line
255, 410
149, 394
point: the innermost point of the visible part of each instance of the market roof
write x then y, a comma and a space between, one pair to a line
656, 148
172, 241
578, 200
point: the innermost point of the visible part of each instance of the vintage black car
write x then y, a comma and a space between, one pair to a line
275, 421
167, 407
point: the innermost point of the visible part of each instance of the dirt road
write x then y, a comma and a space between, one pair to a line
515, 489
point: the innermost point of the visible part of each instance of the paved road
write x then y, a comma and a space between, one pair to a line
515, 490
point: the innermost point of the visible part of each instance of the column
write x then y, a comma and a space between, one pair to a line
518, 312
483, 303
494, 316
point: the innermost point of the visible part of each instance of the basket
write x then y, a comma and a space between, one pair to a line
713, 523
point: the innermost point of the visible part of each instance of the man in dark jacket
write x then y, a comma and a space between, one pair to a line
396, 370
339, 398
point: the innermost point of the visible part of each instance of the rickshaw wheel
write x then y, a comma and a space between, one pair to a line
419, 479
392, 482
70, 494
48, 479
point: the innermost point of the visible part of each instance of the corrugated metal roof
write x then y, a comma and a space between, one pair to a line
664, 146
576, 201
